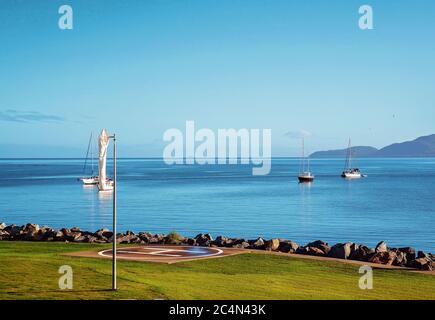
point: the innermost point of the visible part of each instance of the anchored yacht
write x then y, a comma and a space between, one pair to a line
91, 179
305, 174
349, 172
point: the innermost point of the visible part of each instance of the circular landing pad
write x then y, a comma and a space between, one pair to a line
161, 253
164, 253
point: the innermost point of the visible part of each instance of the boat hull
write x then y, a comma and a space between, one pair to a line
108, 186
89, 181
349, 175
303, 179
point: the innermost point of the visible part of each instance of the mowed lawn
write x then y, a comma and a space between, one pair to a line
29, 270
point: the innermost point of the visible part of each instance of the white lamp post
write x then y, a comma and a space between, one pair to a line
114, 287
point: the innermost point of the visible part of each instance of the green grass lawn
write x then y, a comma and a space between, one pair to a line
29, 270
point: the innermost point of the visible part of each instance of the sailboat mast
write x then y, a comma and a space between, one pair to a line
303, 155
308, 163
350, 154
87, 154
92, 156
347, 162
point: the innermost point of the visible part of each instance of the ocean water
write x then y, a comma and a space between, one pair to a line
395, 203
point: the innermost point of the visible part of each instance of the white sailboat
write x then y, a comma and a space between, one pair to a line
349, 172
305, 174
104, 183
92, 179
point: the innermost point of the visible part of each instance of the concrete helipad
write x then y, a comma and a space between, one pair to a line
161, 253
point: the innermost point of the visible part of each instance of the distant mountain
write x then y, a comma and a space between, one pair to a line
420, 147
360, 151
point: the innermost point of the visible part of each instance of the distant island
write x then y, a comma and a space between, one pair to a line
421, 147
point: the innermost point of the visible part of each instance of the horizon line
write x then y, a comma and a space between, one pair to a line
238, 158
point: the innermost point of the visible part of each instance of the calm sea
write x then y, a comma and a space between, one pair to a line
395, 203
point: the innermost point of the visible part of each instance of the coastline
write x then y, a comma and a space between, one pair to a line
276, 206
381, 255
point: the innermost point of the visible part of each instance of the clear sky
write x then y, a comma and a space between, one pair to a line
141, 67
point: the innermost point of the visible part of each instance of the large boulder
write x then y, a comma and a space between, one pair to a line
65, 231
311, 251
158, 238
74, 237
203, 240
409, 253
425, 264
103, 234
341, 250
145, 236
190, 241
80, 238
58, 235
422, 254
172, 241
14, 231
9, 228
288, 246
2, 225
383, 257
66, 234
173, 238
30, 236
45, 233
42, 234
272, 244
381, 247
259, 243
128, 237
235, 241
30, 227
360, 252
239, 243
4, 235
90, 238
222, 241
401, 259
319, 244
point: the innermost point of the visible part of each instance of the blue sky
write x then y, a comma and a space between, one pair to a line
141, 67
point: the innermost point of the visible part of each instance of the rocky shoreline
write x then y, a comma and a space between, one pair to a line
381, 254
